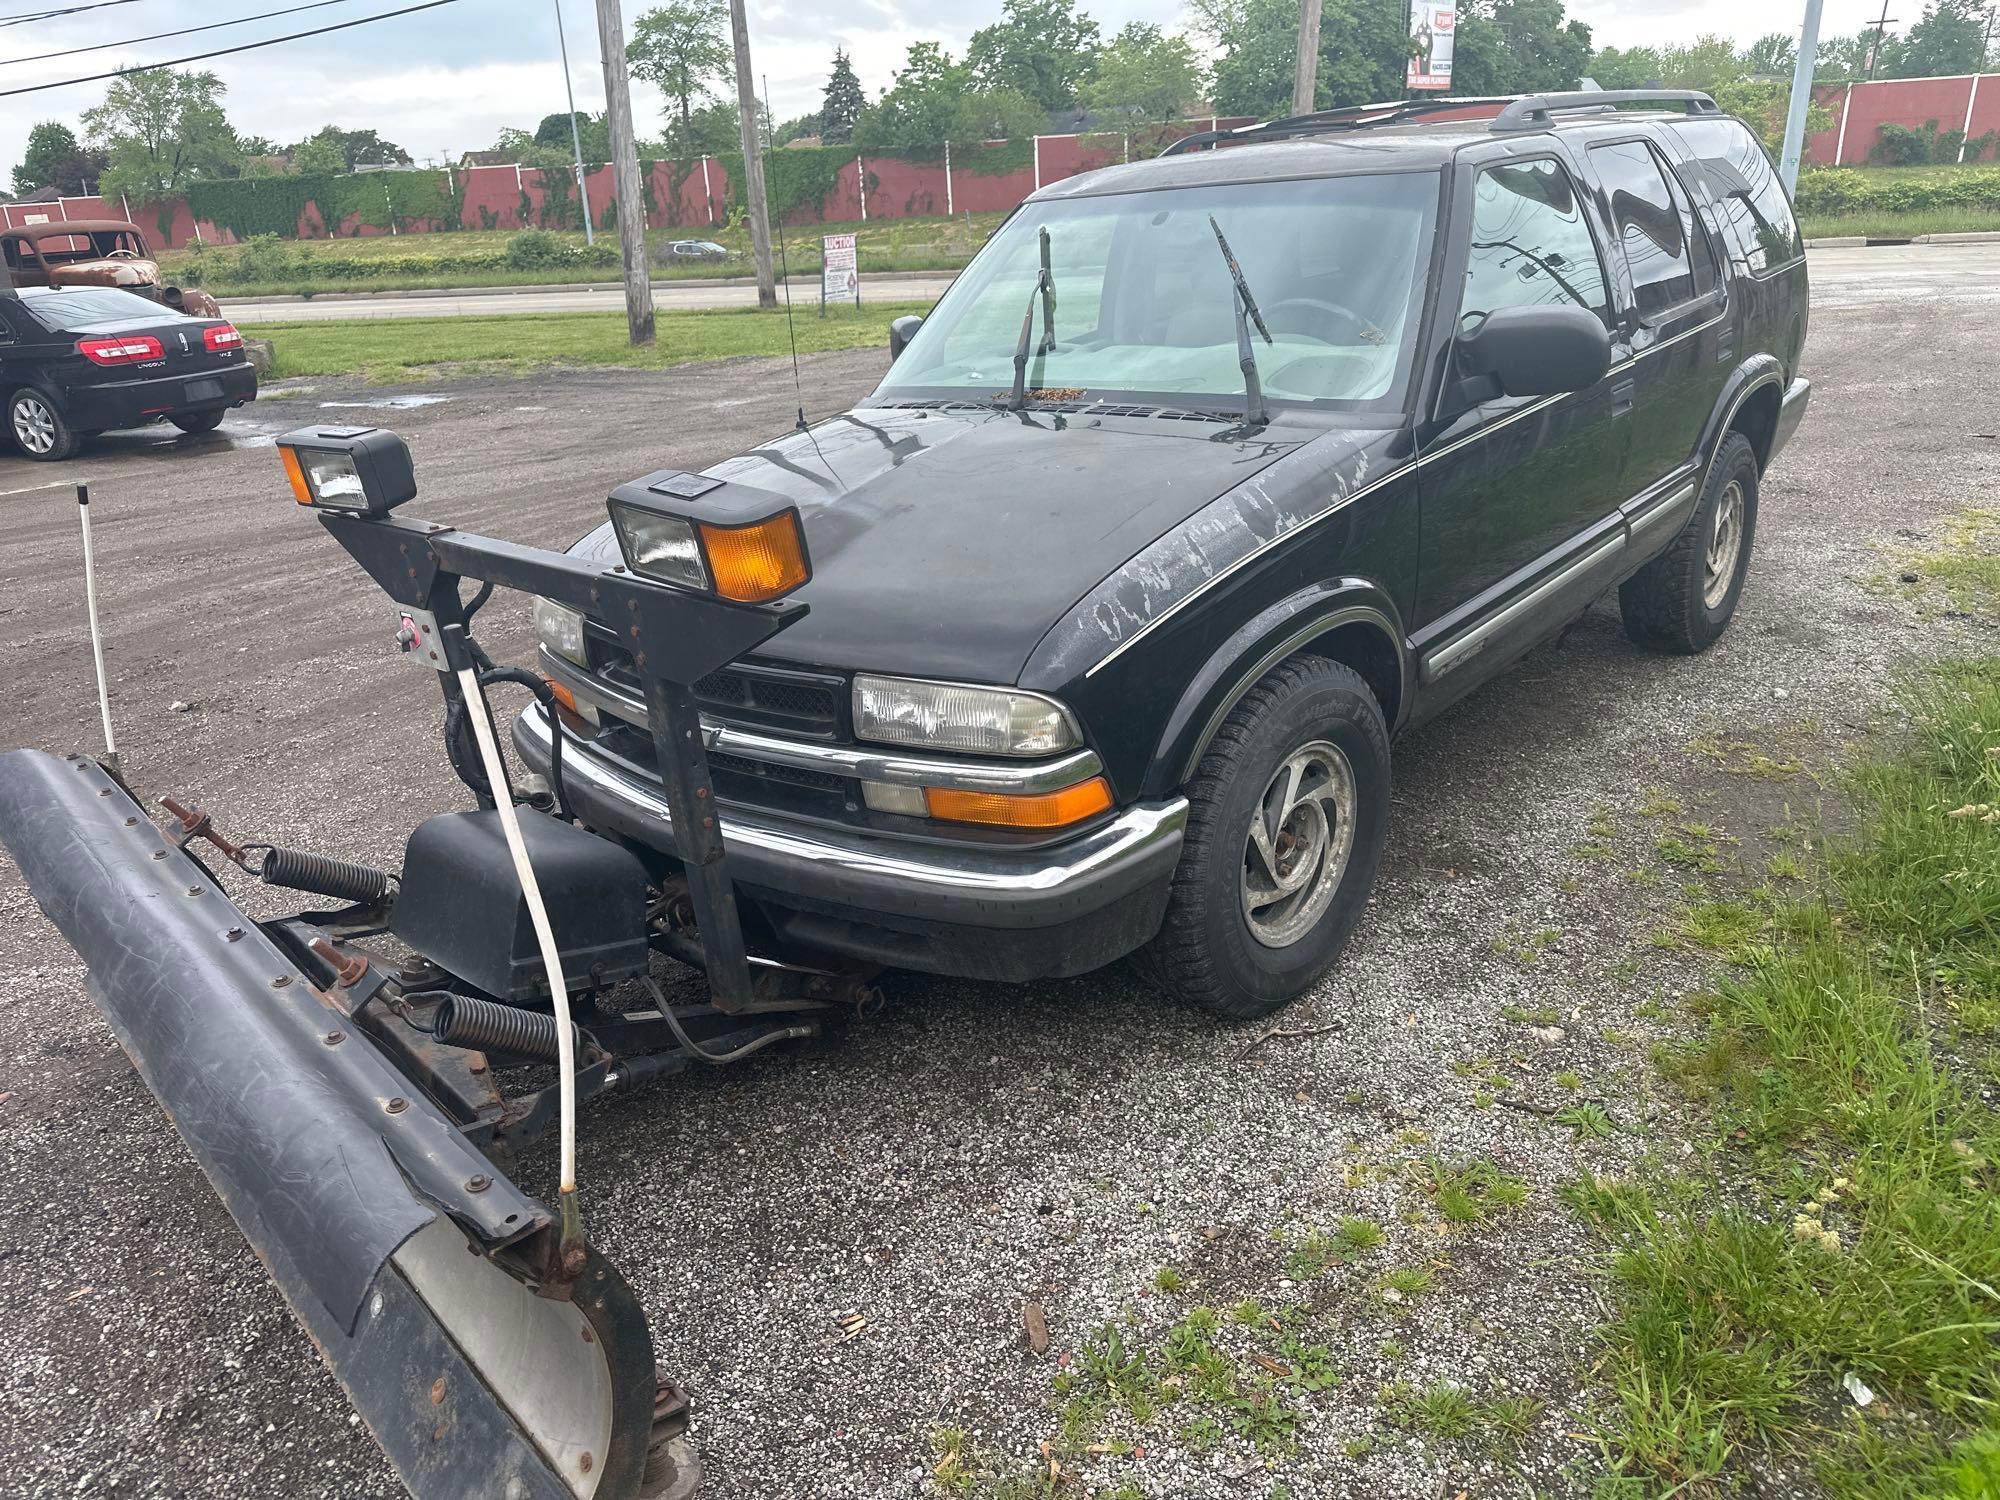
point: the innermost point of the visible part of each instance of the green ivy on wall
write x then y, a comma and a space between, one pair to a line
247, 206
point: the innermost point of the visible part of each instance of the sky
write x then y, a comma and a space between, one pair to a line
446, 80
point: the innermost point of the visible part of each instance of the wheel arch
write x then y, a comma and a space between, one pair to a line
1750, 405
1348, 620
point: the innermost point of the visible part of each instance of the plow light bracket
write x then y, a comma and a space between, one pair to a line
710, 535
361, 470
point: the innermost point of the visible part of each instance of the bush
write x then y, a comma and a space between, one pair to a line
265, 257
1829, 191
1927, 146
535, 250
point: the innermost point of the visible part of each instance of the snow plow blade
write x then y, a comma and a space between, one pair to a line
358, 1194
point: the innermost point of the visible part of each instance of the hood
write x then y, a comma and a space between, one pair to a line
945, 543
120, 273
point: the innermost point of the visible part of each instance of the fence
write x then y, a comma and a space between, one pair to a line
1969, 102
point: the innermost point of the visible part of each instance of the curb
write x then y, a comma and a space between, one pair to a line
1964, 237
1838, 242
808, 283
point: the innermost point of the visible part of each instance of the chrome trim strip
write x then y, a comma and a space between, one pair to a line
1644, 520
821, 857
1242, 562
841, 760
1455, 653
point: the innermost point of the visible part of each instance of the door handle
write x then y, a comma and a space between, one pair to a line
1621, 396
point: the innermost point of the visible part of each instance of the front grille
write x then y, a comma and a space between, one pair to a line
810, 705
738, 778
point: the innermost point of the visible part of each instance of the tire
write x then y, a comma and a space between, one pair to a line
198, 421
37, 427
1676, 602
1213, 951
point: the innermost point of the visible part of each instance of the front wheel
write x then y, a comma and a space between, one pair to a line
198, 421
38, 427
1287, 815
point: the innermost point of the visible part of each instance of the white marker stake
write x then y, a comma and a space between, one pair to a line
96, 636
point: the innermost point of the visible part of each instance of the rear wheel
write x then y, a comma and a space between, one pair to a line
1683, 599
1288, 813
198, 421
38, 428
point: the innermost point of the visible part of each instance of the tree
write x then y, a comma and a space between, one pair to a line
54, 159
1518, 47
1040, 49
1633, 68
842, 103
683, 47
935, 101
1774, 54
799, 128
593, 130
1950, 38
1144, 75
1705, 63
162, 130
318, 155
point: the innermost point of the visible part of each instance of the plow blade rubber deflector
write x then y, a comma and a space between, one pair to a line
357, 1193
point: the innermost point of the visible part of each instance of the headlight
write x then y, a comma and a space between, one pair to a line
947, 716
660, 547
560, 628
360, 469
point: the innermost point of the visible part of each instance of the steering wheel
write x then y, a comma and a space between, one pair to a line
1364, 330
122, 255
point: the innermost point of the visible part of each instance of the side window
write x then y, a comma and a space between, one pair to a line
1531, 245
1653, 223
1756, 214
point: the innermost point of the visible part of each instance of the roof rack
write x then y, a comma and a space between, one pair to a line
1538, 111
1352, 117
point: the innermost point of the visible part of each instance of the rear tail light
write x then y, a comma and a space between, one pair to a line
134, 349
221, 336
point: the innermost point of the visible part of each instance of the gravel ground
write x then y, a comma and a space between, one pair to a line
977, 1147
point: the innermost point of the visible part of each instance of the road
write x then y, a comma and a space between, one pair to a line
1841, 278
681, 297
976, 1146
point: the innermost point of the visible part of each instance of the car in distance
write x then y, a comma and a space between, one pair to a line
1209, 475
95, 252
78, 361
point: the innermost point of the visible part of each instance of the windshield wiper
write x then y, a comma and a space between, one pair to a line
1255, 412
1045, 293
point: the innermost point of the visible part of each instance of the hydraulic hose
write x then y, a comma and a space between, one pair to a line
455, 726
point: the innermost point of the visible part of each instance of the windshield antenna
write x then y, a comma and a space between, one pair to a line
1044, 293
1255, 411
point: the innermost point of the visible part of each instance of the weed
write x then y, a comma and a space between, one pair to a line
1168, 1280
1359, 1447
1655, 803
1200, 1435
1264, 1416
1471, 1192
1587, 1120
1568, 1079
1440, 1410
1538, 1015
1405, 1282
1723, 927
1310, 1257
1250, 1313
955, 1472
1359, 1234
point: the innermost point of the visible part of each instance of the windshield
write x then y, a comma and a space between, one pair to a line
74, 309
1145, 307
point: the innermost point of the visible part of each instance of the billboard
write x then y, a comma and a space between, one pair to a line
1432, 27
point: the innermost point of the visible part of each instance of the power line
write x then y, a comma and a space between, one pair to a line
67, 10
174, 62
163, 35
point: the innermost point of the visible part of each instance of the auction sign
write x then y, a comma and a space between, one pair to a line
1431, 29
840, 270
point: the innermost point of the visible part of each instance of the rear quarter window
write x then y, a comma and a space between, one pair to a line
1750, 199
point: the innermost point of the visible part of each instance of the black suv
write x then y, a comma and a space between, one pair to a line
1208, 475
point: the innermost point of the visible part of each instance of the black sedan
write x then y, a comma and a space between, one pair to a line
77, 361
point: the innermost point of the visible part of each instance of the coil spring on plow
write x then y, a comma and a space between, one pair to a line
323, 875
468, 1021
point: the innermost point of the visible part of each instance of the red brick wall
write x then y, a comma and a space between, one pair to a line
1860, 110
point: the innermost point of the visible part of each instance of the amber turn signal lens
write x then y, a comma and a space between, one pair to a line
758, 562
1010, 810
293, 472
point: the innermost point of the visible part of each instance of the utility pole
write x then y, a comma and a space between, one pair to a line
753, 155
1305, 72
575, 135
1795, 115
625, 172
1881, 32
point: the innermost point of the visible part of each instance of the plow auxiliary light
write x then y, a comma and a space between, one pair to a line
751, 559
363, 470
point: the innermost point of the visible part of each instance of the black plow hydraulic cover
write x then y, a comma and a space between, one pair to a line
357, 1193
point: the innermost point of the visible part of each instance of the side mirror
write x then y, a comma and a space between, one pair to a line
1537, 351
901, 332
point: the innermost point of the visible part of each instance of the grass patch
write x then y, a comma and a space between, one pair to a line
392, 350
1963, 569
1900, 226
1852, 1227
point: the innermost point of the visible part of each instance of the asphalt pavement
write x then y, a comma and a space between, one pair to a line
977, 1146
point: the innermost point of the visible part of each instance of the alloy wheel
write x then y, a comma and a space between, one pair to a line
34, 424
1295, 853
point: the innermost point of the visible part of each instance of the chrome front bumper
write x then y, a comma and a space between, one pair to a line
963, 884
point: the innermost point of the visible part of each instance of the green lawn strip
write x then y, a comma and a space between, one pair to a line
1899, 226
405, 349
1847, 1221
472, 258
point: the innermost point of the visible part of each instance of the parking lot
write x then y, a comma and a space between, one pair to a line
975, 1147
